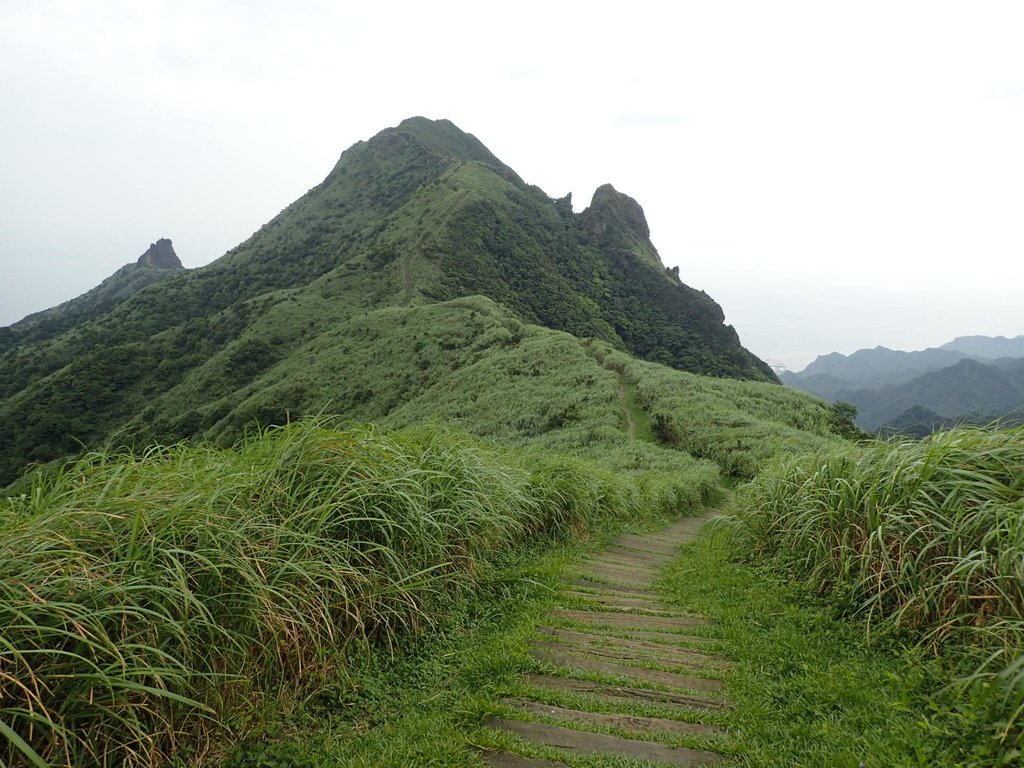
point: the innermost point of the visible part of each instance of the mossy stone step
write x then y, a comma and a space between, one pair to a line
619, 552
615, 559
621, 654
580, 660
643, 604
618, 575
646, 544
630, 620
617, 720
617, 693
668, 659
618, 581
585, 742
655, 649
654, 636
623, 568
607, 589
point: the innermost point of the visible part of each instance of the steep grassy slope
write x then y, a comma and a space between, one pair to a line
341, 535
417, 215
471, 363
197, 579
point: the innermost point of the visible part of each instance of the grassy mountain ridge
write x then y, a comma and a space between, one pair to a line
418, 214
467, 362
258, 562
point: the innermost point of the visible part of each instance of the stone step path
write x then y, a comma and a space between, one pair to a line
615, 642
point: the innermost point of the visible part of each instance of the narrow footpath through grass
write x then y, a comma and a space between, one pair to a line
688, 656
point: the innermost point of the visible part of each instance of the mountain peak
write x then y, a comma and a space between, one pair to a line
413, 152
442, 137
617, 225
609, 205
160, 255
417, 219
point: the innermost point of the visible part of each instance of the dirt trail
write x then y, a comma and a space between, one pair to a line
407, 278
627, 411
624, 633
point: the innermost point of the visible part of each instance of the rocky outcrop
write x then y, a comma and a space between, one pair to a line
160, 255
608, 208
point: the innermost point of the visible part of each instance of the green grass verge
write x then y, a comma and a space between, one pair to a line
807, 689
924, 541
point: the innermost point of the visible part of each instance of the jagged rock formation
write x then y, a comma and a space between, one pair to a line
160, 255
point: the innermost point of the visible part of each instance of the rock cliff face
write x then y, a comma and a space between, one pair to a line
608, 204
160, 255
616, 224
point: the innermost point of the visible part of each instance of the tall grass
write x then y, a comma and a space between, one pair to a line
926, 537
738, 425
145, 596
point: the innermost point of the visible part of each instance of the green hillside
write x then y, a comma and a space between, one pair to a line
157, 263
266, 562
400, 406
419, 215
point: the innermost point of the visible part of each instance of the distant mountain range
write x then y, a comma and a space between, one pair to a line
974, 379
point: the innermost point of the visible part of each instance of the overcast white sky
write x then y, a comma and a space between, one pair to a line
835, 175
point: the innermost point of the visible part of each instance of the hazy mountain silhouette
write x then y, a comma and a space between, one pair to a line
905, 391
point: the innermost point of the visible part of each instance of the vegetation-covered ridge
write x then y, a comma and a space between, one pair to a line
146, 597
925, 541
418, 215
158, 263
